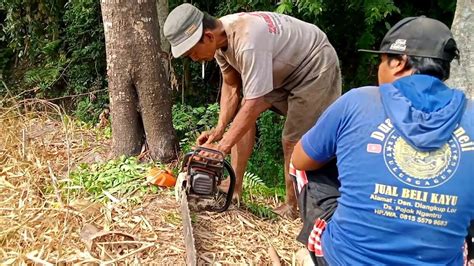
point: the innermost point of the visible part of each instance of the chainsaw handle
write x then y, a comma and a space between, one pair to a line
186, 160
205, 161
198, 149
230, 192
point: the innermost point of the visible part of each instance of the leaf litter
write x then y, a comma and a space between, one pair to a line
43, 222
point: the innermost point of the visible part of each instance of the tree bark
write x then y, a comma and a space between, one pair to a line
462, 74
139, 90
162, 9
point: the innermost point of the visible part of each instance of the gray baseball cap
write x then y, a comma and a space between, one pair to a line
183, 28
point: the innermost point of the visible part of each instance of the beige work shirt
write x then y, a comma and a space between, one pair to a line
273, 51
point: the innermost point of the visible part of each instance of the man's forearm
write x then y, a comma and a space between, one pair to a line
245, 119
229, 104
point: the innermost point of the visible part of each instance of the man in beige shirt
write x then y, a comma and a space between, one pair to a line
268, 61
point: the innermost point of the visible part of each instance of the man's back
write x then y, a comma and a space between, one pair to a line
398, 204
294, 50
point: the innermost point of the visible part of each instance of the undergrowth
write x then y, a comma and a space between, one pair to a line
256, 195
267, 157
122, 179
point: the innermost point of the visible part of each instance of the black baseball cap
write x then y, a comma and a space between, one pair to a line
418, 36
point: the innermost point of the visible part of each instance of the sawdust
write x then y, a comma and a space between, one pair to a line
42, 224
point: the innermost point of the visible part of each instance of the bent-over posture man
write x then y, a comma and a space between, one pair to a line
405, 153
275, 62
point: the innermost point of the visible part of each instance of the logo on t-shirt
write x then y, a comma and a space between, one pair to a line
418, 168
272, 20
415, 200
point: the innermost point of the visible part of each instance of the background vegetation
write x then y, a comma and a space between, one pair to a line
54, 49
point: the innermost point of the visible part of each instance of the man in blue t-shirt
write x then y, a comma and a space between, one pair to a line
405, 156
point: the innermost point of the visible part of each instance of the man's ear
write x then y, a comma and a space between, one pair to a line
209, 35
399, 66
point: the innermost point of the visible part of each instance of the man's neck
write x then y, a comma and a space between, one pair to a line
221, 36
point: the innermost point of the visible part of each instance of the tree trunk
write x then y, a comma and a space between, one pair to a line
139, 90
462, 75
162, 9
187, 80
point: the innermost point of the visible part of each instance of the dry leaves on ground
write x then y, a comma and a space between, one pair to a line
41, 221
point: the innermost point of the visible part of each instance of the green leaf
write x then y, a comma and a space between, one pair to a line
119, 177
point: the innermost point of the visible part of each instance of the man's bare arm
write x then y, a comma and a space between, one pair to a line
229, 103
245, 119
301, 160
230, 98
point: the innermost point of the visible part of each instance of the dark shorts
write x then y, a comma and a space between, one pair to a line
317, 193
318, 198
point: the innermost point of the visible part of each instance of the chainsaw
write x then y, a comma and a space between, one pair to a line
202, 171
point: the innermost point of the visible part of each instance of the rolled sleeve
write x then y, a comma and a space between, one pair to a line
223, 64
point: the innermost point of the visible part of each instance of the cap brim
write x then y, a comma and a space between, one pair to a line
380, 51
372, 51
186, 45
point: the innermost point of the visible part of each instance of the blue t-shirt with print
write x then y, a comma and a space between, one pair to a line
399, 205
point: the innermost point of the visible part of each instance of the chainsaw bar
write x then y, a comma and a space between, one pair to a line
188, 231
182, 198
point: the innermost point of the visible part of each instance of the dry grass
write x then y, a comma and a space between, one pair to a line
41, 222
238, 237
